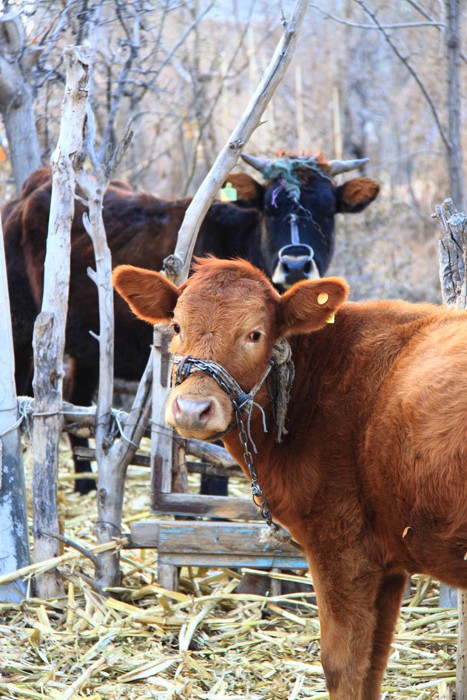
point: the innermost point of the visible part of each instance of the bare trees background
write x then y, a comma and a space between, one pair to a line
384, 80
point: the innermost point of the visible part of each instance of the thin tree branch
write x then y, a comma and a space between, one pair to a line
440, 25
411, 70
179, 43
358, 25
133, 43
421, 10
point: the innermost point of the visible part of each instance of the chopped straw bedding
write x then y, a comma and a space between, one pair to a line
203, 642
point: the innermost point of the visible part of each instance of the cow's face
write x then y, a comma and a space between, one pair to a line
228, 313
297, 237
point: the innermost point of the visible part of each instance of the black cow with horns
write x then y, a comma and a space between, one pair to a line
284, 226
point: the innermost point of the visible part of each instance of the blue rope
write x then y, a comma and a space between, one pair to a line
284, 169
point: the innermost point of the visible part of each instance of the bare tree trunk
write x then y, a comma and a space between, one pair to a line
13, 514
112, 471
453, 47
453, 276
16, 102
112, 457
49, 329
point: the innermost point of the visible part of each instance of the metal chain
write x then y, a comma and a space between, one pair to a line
256, 491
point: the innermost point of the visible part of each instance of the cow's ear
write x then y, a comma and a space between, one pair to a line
248, 191
354, 195
309, 305
150, 295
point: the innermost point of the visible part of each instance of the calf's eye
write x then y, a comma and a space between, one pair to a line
254, 336
176, 328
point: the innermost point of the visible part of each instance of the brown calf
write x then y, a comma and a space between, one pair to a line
370, 478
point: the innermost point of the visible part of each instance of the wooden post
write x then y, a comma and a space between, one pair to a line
13, 515
453, 255
49, 329
162, 451
112, 471
453, 277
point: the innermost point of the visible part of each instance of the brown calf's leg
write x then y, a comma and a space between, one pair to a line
388, 605
348, 619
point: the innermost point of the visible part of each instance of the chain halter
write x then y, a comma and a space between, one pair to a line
281, 369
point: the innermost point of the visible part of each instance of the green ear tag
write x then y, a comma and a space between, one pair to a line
228, 193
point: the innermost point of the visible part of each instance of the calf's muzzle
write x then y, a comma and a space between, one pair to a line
199, 409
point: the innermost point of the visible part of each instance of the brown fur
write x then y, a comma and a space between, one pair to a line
360, 190
376, 443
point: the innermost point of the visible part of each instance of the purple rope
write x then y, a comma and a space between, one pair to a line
276, 192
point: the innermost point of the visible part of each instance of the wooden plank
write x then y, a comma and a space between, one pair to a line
212, 544
233, 538
142, 460
211, 453
211, 537
213, 469
260, 561
212, 506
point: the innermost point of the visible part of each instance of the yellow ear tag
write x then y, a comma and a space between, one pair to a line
228, 193
331, 318
322, 298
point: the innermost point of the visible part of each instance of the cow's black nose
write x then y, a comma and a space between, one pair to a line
296, 262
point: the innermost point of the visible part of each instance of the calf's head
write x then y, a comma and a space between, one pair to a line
228, 313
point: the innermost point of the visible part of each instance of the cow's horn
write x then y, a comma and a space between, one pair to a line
343, 166
257, 163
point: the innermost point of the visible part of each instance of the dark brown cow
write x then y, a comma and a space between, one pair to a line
142, 229
370, 477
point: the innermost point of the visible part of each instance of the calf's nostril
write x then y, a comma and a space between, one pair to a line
176, 409
192, 410
206, 412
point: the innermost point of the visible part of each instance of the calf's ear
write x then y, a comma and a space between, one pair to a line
309, 305
150, 295
354, 195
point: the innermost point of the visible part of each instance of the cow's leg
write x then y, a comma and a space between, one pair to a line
24, 368
388, 604
80, 387
346, 604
